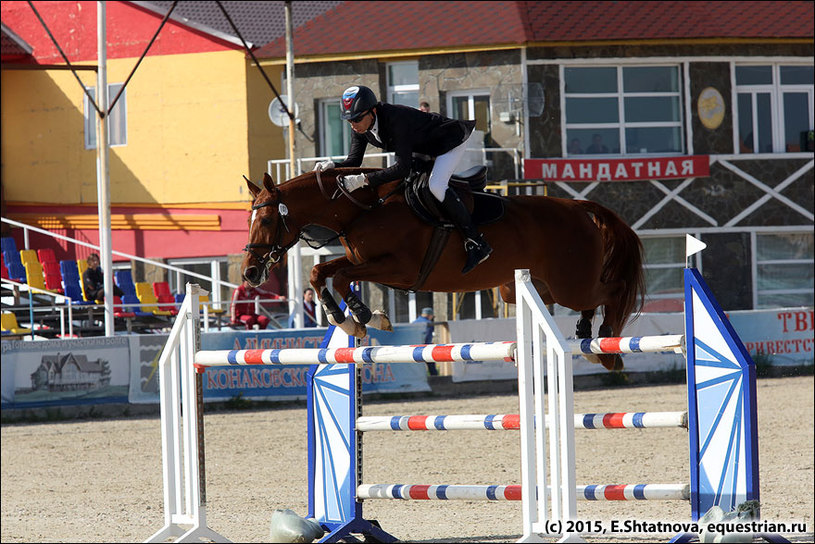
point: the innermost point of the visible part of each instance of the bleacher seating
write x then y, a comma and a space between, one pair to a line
7, 243
10, 327
81, 266
34, 275
14, 265
28, 256
165, 299
124, 279
71, 283
149, 302
3, 267
53, 277
46, 255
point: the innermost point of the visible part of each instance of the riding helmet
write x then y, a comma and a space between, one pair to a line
356, 101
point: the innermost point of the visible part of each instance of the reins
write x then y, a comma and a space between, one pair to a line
276, 251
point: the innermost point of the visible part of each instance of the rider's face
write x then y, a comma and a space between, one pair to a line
362, 124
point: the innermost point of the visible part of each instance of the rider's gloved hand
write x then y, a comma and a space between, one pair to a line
354, 181
323, 165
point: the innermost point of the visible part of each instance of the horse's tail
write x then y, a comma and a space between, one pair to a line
622, 262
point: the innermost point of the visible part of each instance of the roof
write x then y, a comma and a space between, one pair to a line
258, 22
12, 47
358, 27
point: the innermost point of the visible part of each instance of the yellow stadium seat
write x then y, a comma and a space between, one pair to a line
149, 302
82, 265
11, 327
34, 275
28, 256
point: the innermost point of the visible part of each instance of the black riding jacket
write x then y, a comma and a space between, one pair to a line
405, 131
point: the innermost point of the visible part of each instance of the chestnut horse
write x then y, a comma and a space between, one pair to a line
580, 254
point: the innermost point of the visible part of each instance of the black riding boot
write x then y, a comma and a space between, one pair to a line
474, 244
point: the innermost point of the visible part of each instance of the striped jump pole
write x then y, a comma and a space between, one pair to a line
632, 344
504, 422
632, 492
426, 353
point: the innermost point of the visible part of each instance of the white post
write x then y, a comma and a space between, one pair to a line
103, 171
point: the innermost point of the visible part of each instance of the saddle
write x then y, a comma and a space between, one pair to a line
484, 208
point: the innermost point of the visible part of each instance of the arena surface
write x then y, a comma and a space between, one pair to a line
100, 480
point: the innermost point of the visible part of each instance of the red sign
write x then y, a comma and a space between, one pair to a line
587, 170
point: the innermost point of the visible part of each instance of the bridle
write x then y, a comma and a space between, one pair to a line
275, 251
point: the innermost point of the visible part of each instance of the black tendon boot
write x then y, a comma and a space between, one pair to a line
474, 244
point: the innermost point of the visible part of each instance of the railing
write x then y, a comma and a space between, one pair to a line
213, 281
61, 303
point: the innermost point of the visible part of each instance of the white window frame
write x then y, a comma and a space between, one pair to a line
324, 121
776, 91
117, 115
681, 264
755, 264
471, 95
620, 95
407, 88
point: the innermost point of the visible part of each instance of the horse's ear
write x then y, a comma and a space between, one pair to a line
268, 182
253, 189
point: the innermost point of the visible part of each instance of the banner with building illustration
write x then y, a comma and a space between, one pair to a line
272, 382
65, 372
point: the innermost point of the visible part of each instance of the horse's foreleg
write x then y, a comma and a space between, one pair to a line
385, 269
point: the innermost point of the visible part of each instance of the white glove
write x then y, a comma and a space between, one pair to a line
354, 182
323, 165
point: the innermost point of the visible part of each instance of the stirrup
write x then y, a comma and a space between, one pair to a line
477, 253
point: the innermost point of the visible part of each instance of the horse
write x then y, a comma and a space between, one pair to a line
579, 254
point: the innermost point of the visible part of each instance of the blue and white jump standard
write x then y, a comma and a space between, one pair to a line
720, 418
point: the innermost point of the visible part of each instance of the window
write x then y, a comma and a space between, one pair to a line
784, 269
623, 110
216, 268
664, 263
117, 121
471, 105
335, 134
774, 105
403, 83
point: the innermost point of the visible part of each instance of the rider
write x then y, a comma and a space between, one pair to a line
405, 130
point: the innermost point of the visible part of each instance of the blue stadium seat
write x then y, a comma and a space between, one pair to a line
16, 270
7, 243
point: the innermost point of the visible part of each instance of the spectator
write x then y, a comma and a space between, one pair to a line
428, 317
242, 310
425, 107
596, 145
309, 310
94, 280
574, 147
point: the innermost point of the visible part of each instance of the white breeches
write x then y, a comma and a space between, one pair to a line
444, 167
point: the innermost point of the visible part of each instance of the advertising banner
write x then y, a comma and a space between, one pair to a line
273, 382
65, 372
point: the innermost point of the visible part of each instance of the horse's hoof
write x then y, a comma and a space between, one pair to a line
612, 363
593, 358
360, 330
379, 320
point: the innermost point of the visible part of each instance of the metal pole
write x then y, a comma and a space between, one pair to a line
295, 259
103, 171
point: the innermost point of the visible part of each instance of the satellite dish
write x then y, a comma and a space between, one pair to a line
277, 113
